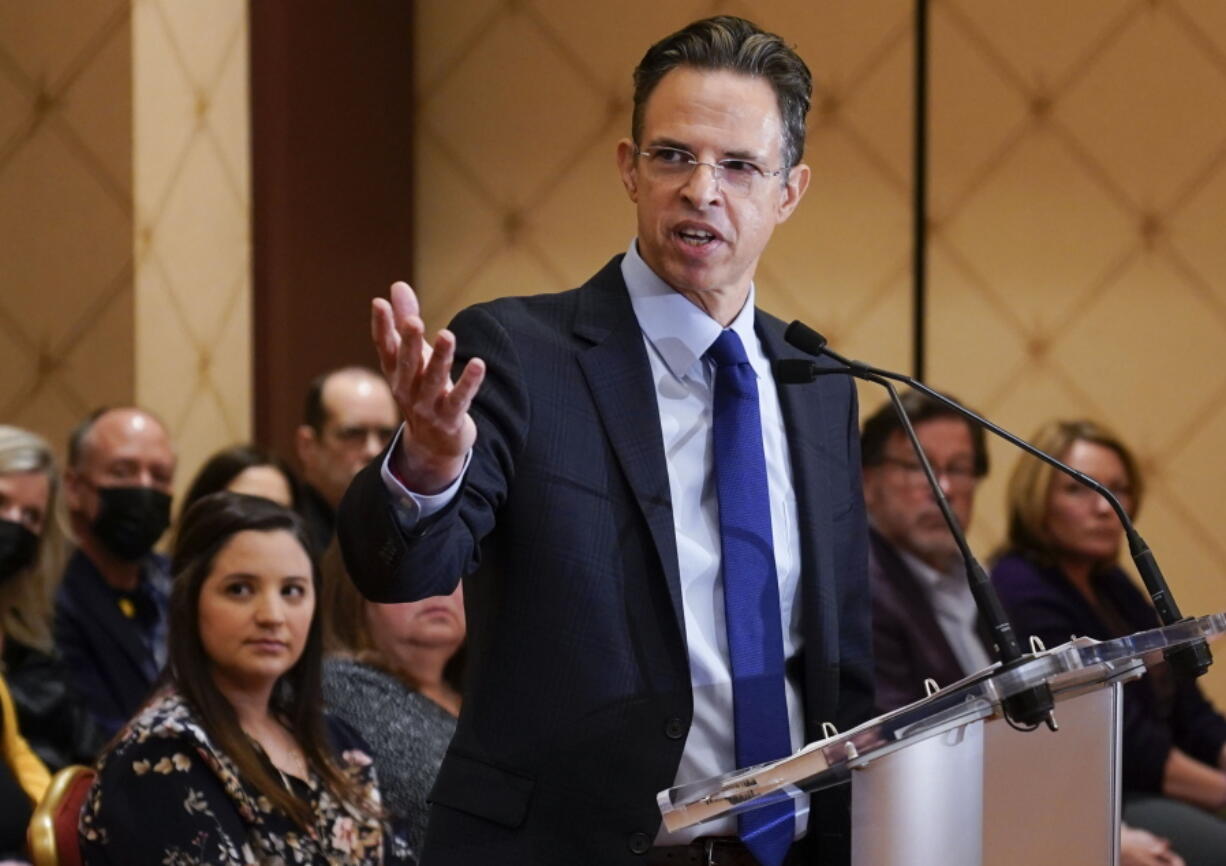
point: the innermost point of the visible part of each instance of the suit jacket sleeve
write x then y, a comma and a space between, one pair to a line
391, 565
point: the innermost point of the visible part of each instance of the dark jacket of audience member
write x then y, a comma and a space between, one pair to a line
1160, 710
50, 713
908, 644
108, 638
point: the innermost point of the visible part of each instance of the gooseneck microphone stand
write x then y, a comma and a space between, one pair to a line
1029, 707
1190, 660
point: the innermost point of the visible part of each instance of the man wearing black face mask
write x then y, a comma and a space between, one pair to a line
110, 621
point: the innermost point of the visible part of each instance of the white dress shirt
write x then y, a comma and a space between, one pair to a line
955, 609
677, 334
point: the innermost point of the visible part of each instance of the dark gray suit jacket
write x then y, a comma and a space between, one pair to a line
908, 644
578, 697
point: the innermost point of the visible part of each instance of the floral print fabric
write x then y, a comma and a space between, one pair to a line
165, 795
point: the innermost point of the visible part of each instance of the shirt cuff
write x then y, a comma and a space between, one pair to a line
412, 508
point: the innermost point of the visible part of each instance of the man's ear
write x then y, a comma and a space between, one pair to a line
305, 441
72, 490
627, 167
793, 191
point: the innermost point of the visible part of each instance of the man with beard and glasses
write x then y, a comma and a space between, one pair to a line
110, 617
925, 623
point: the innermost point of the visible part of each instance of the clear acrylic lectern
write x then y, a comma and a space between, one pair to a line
947, 781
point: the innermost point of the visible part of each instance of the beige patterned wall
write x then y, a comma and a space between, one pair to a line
66, 304
1077, 269
1078, 173
124, 216
192, 198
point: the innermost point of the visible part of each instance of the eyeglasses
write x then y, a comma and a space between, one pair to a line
961, 477
674, 165
355, 436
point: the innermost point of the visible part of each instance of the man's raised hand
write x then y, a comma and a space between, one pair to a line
438, 429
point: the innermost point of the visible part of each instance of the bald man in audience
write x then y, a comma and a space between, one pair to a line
110, 617
925, 623
350, 417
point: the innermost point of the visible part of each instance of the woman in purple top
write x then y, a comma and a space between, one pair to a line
1058, 576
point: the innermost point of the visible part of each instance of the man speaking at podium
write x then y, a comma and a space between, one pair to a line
664, 555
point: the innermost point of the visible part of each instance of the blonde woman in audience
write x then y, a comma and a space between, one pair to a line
50, 714
27, 485
394, 673
233, 760
1060, 576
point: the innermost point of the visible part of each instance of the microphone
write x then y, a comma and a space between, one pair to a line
1190, 660
1026, 708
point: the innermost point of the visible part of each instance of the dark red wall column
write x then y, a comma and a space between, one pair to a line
332, 187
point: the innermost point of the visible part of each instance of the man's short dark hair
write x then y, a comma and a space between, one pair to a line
314, 412
76, 437
736, 45
883, 423
314, 415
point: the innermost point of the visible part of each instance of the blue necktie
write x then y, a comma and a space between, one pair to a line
751, 590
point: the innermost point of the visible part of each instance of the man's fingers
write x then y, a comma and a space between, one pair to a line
437, 376
466, 387
383, 335
404, 301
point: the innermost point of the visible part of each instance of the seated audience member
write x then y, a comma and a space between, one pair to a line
349, 418
110, 612
232, 761
1059, 576
925, 622
393, 675
247, 469
50, 714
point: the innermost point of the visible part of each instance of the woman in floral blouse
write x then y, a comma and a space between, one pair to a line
233, 761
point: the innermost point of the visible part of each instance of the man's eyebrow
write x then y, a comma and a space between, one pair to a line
747, 155
670, 142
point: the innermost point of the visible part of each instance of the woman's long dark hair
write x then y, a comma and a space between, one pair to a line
226, 465
207, 527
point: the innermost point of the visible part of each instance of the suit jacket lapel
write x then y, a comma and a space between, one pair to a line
619, 375
802, 408
94, 597
941, 661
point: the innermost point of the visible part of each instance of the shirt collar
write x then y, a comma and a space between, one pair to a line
951, 580
678, 330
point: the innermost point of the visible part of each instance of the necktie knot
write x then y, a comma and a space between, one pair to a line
727, 350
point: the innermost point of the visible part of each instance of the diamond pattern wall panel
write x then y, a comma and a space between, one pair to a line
1078, 170
193, 228
124, 216
522, 104
65, 212
1078, 163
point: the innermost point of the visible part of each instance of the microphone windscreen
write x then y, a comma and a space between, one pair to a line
804, 338
794, 371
